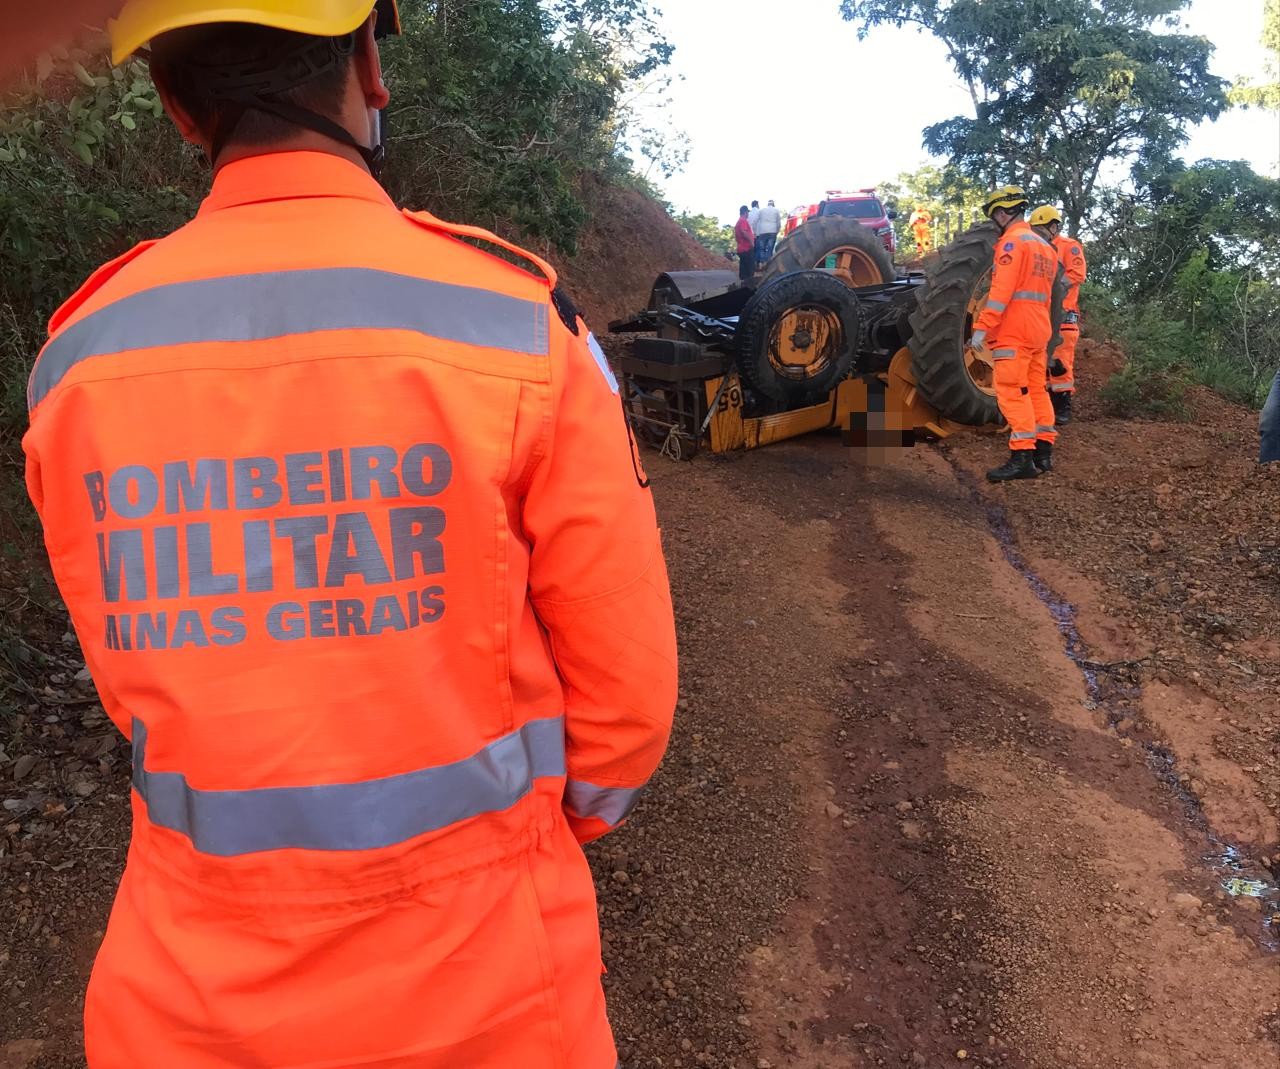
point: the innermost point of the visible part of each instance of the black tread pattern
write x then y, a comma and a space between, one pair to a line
808, 246
940, 332
772, 300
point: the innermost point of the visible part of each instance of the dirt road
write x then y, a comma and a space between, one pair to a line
960, 775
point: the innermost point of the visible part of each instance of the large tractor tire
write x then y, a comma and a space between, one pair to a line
797, 335
956, 380
859, 256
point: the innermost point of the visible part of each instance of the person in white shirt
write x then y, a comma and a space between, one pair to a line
767, 224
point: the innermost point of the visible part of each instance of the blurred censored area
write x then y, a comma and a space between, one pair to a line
879, 425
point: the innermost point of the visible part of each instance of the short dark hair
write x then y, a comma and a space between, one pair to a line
743, 210
176, 57
755, 204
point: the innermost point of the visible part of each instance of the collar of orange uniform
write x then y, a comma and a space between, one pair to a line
289, 176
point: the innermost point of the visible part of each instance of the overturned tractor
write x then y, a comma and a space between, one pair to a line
828, 336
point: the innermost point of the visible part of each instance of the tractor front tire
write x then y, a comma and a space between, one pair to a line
955, 289
942, 325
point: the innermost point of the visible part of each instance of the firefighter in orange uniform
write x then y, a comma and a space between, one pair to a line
349, 523
921, 221
1047, 222
1016, 327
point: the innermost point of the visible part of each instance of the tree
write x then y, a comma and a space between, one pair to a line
1192, 282
944, 191
1062, 90
1267, 95
497, 111
708, 230
1221, 212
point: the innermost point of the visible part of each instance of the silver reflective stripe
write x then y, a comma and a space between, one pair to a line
256, 307
1023, 436
1061, 387
365, 815
610, 804
998, 306
1031, 295
1045, 430
1004, 354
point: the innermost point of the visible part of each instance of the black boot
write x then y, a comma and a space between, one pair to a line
1020, 465
1061, 408
1044, 457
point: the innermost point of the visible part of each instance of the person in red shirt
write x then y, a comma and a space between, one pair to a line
746, 239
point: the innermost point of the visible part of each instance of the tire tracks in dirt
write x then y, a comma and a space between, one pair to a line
963, 863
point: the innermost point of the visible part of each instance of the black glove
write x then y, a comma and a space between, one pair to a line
1057, 367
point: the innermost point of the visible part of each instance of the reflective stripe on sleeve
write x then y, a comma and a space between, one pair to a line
1061, 387
610, 804
1031, 295
1004, 354
997, 306
257, 307
366, 815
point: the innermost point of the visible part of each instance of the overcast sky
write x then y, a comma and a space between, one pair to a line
780, 99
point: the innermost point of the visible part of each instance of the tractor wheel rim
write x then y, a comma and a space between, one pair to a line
805, 341
851, 266
979, 363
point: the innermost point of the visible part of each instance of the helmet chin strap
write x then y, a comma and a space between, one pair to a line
259, 87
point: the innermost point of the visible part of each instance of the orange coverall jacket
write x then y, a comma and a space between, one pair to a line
353, 534
1018, 312
1071, 255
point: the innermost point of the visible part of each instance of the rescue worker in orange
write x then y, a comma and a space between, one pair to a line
921, 225
351, 529
1016, 326
1047, 222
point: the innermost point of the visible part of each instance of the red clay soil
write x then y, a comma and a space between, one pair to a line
630, 242
959, 775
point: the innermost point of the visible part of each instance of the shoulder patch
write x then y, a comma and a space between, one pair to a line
568, 311
1008, 246
602, 362
1075, 250
1005, 260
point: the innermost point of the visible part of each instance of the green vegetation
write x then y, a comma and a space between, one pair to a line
1267, 95
1184, 260
499, 107
1062, 89
1185, 276
707, 229
944, 191
88, 167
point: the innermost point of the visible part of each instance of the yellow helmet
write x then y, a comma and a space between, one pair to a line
141, 20
1010, 197
1044, 215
